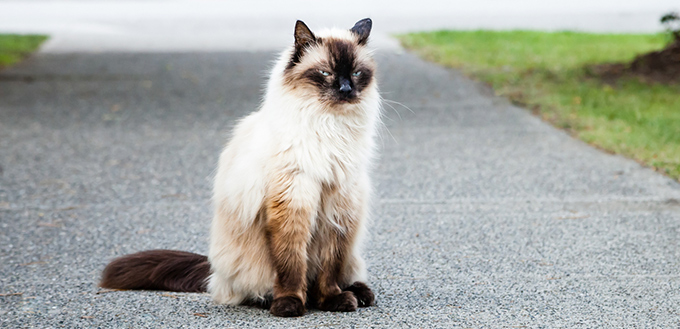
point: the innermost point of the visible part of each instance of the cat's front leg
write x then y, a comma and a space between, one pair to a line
326, 293
354, 271
340, 264
290, 212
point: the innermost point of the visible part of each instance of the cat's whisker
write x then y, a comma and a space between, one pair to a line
382, 140
395, 111
389, 132
383, 116
400, 104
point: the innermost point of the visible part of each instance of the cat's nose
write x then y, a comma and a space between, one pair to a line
345, 86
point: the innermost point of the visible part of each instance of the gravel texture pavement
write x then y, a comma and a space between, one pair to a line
484, 216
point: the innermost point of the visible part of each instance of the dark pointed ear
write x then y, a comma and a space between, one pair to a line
362, 29
303, 35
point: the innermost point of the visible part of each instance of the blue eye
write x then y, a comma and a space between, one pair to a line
324, 73
356, 74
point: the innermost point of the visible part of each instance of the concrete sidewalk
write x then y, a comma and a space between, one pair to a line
485, 216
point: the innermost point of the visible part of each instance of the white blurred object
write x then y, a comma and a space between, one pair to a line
212, 25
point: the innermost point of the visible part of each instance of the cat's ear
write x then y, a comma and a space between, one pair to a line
362, 29
303, 35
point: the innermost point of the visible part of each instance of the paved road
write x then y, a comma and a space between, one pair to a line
485, 216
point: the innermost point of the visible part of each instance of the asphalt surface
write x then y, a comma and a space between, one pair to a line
484, 216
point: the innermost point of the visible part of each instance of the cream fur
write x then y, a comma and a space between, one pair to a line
327, 147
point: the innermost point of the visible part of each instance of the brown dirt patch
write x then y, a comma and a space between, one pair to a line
661, 66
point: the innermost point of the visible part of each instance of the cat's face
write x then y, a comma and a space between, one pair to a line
334, 67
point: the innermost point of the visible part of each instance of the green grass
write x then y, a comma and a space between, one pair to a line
548, 73
15, 47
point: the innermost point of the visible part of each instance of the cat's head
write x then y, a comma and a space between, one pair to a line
333, 66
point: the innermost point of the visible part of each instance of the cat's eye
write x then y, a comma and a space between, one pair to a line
356, 74
324, 73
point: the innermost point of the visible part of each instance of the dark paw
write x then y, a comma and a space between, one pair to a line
263, 303
287, 307
363, 293
343, 302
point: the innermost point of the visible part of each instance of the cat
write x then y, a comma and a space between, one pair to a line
292, 188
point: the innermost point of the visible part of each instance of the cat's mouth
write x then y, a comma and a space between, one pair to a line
340, 100
341, 105
346, 99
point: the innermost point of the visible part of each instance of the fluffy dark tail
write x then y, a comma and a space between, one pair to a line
169, 270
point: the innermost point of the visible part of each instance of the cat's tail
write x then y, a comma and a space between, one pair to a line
169, 270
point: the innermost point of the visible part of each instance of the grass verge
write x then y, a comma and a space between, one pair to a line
14, 47
548, 72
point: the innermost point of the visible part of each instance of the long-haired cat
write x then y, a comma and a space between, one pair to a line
291, 191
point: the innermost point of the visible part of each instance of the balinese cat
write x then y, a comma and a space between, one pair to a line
291, 191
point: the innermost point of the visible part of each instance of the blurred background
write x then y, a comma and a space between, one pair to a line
211, 25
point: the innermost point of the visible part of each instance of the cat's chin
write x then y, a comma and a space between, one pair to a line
344, 102
344, 106
355, 99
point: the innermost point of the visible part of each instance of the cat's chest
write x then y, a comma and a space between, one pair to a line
329, 156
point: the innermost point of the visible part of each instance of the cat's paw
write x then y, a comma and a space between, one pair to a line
263, 302
363, 293
343, 302
287, 307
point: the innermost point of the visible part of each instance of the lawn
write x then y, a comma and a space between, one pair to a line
550, 73
15, 47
